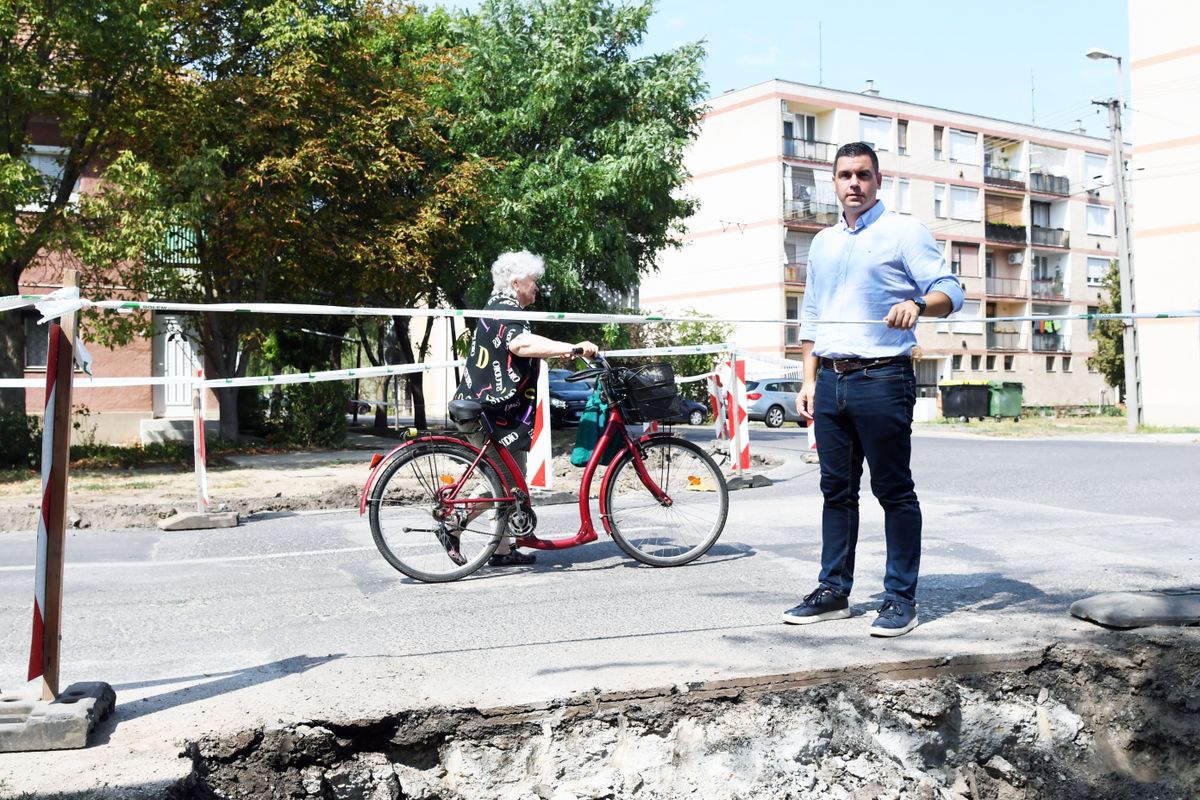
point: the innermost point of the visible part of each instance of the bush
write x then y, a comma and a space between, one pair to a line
20, 441
314, 414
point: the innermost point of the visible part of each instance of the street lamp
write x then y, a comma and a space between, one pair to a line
1133, 368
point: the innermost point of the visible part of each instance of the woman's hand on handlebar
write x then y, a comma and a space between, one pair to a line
584, 349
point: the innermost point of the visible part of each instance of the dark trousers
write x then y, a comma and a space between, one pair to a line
868, 413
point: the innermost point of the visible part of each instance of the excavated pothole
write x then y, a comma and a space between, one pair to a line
1116, 719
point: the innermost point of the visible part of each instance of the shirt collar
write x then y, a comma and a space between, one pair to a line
873, 213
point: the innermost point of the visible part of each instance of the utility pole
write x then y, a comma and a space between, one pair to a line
1133, 368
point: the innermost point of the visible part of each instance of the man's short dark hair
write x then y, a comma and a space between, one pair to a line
855, 149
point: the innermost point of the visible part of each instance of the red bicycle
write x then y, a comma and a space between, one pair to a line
439, 506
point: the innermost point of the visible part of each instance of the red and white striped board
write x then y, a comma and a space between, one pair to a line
199, 454
739, 419
539, 472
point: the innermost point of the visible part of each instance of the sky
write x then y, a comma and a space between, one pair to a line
968, 56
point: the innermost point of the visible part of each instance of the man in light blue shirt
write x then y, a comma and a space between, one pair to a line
859, 388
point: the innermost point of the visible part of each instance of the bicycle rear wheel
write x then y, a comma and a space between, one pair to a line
682, 528
410, 524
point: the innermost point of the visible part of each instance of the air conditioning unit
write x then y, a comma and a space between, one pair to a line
1017, 258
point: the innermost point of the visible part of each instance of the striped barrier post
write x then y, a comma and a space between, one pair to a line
739, 420
539, 472
51, 534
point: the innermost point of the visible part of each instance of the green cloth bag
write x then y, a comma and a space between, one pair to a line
587, 435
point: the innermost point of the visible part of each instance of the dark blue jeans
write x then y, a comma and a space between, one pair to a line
868, 413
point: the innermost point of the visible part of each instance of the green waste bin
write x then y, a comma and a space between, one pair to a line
1004, 400
964, 399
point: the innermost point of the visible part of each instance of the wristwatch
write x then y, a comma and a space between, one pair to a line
920, 301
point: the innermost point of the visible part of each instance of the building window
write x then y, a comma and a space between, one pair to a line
956, 363
938, 134
963, 146
902, 137
969, 318
1066, 364
1008, 363
1099, 220
1095, 171
964, 203
991, 363
875, 131
964, 259
975, 360
36, 343
1097, 269
1049, 363
50, 163
902, 201
887, 191
1091, 322
939, 200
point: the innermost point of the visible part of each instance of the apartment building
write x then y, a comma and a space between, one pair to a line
1024, 214
1164, 65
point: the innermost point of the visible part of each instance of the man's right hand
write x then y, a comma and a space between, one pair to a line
805, 399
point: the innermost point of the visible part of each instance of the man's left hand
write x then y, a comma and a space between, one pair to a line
903, 315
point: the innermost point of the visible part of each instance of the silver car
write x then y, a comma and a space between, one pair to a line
773, 401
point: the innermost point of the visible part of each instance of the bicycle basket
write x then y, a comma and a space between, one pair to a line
650, 393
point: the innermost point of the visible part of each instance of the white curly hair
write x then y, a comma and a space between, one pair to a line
513, 266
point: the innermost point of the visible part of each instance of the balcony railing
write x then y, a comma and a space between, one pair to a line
1051, 343
1051, 237
1003, 339
806, 212
1006, 287
1001, 232
795, 272
1008, 178
1048, 289
1049, 184
809, 151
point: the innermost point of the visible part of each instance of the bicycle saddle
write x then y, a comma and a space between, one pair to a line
465, 410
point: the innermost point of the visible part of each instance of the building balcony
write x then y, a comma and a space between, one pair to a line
1050, 237
1048, 289
1051, 343
795, 272
1049, 184
1004, 233
1007, 287
1003, 178
1003, 339
806, 213
805, 150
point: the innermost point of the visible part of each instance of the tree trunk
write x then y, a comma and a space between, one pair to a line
12, 348
416, 380
227, 402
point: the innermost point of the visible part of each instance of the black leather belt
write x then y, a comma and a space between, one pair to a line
841, 365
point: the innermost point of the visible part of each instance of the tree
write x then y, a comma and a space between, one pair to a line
300, 158
589, 139
77, 71
1109, 334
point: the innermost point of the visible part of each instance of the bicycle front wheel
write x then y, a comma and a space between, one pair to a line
682, 526
424, 537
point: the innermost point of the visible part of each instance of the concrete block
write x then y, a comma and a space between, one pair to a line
28, 724
747, 481
1140, 609
196, 520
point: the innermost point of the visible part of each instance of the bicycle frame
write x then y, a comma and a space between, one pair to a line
587, 530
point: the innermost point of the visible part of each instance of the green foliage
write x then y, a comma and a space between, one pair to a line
1109, 335
97, 455
314, 414
589, 139
20, 441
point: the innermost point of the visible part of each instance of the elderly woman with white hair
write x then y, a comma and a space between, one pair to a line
502, 370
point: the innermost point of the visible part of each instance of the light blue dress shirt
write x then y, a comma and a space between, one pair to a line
860, 273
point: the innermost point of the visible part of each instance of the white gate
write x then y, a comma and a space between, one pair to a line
174, 356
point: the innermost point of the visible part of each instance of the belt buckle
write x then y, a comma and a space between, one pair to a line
843, 365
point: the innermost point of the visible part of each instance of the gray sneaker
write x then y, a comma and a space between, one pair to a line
821, 604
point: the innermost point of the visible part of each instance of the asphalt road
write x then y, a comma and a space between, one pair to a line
298, 617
